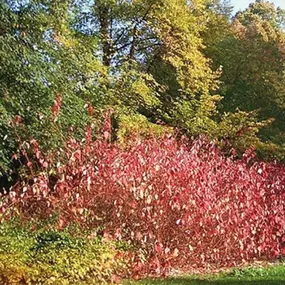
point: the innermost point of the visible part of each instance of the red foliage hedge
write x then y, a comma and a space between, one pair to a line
179, 203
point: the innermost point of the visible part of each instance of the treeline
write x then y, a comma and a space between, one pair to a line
160, 65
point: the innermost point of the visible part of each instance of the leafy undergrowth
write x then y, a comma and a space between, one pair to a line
46, 256
271, 275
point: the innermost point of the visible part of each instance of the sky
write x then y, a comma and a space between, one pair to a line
242, 4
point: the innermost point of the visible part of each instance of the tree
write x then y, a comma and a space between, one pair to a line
251, 54
146, 59
41, 58
161, 53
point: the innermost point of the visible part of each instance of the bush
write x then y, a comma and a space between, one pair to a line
179, 203
52, 257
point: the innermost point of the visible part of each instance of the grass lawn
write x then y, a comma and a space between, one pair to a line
273, 275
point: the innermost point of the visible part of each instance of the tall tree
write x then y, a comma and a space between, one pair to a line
41, 58
159, 41
251, 54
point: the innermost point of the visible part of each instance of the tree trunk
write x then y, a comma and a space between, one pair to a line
105, 24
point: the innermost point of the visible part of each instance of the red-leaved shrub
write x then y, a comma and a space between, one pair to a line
179, 203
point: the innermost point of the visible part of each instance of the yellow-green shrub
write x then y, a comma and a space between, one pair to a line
52, 257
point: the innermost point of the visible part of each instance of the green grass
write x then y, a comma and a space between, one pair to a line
272, 275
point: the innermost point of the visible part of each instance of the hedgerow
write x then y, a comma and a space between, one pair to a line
179, 203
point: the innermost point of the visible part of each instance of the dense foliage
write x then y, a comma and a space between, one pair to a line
45, 256
148, 64
179, 203
138, 121
250, 51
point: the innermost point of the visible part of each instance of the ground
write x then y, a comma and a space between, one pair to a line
269, 275
227, 281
